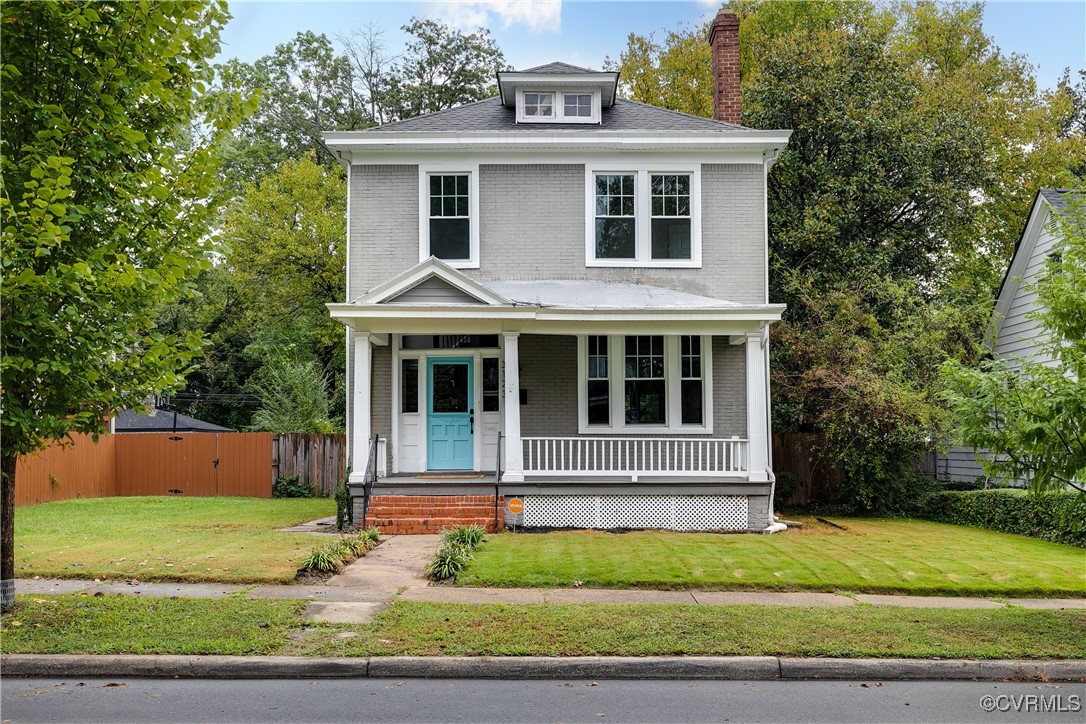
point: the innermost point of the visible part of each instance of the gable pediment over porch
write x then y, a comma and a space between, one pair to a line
432, 282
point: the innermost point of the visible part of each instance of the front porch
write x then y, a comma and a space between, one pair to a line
590, 416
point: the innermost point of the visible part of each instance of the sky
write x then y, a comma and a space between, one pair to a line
1051, 35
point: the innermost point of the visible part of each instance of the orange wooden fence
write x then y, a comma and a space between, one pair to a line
196, 464
82, 470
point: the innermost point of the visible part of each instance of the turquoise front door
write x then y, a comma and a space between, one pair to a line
450, 414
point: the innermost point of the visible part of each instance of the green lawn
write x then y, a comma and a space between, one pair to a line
871, 556
129, 624
166, 539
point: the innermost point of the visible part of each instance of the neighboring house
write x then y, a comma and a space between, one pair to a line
569, 287
162, 421
1012, 334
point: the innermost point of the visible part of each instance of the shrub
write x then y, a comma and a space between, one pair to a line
372, 536
344, 508
289, 486
468, 537
448, 563
323, 559
1057, 517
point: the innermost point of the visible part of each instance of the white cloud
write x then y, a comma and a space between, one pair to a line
537, 15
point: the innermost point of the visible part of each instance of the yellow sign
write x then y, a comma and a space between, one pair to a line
516, 505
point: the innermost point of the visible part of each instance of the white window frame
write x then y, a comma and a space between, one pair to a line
560, 106
642, 174
616, 370
443, 169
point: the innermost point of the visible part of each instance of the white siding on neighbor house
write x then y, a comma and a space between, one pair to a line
1018, 334
1017, 338
532, 226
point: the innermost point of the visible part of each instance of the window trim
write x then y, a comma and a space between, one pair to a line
672, 388
471, 170
643, 214
560, 105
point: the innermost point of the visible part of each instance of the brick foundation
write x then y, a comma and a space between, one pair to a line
422, 514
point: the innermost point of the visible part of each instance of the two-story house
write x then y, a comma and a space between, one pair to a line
567, 289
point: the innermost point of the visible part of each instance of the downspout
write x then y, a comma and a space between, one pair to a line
776, 526
348, 409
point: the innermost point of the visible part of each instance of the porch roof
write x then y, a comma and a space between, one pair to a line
533, 305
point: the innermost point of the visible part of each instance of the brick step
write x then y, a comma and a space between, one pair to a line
421, 512
417, 526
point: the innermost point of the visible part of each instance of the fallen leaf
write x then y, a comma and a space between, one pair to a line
16, 623
114, 683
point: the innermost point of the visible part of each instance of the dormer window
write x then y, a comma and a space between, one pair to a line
558, 106
539, 105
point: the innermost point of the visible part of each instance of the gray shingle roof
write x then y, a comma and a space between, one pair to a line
1059, 198
491, 115
163, 421
556, 67
575, 294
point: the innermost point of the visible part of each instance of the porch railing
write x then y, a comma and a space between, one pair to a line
634, 456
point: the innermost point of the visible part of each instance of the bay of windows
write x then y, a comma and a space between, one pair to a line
644, 382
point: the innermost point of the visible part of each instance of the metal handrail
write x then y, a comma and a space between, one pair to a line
497, 482
369, 479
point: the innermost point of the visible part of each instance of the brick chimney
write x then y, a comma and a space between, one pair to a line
724, 45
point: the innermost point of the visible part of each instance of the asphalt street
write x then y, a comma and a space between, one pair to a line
419, 700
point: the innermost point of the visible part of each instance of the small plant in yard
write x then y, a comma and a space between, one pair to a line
323, 559
289, 486
344, 509
468, 537
331, 557
448, 562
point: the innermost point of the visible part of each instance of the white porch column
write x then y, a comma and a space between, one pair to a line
360, 410
757, 408
514, 452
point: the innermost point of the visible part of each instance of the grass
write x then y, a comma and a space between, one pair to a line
84, 624
871, 556
130, 624
226, 540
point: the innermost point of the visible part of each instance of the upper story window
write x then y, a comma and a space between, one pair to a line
539, 105
558, 106
449, 214
643, 217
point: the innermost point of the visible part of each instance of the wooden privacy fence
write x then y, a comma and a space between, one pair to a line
319, 460
197, 464
799, 453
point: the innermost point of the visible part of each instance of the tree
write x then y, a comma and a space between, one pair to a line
110, 136
292, 397
675, 74
286, 255
441, 68
1031, 413
308, 86
305, 88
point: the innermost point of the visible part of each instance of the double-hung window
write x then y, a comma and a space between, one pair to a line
448, 215
645, 383
644, 217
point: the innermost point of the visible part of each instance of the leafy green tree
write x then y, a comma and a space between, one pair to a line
109, 149
1031, 413
292, 395
305, 87
675, 73
441, 67
286, 257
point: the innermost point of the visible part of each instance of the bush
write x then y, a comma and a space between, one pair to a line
344, 507
468, 537
324, 559
331, 557
1057, 517
448, 563
288, 486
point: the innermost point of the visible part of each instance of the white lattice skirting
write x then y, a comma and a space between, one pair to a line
671, 512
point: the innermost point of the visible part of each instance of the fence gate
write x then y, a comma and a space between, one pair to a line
194, 464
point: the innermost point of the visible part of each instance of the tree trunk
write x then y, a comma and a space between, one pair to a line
7, 531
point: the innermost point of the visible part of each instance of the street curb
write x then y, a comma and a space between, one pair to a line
735, 668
